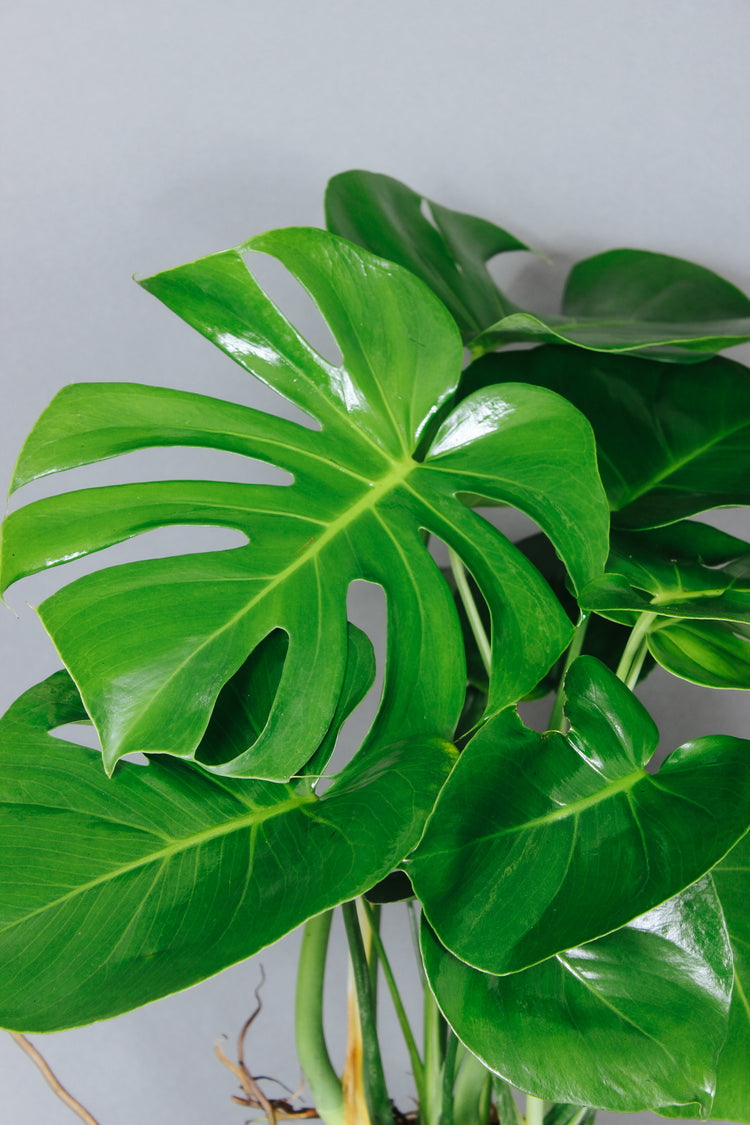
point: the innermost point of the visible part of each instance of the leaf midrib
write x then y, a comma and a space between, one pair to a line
397, 475
623, 784
252, 820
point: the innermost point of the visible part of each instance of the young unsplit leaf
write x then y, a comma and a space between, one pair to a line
694, 583
138, 638
631, 1021
119, 891
539, 843
690, 426
619, 301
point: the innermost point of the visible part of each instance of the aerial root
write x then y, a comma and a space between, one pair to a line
275, 1109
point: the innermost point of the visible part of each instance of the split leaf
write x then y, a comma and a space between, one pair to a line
151, 644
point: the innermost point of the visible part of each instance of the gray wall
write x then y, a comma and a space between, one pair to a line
141, 134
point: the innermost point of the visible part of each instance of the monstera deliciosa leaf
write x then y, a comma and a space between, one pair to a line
667, 448
690, 585
620, 301
631, 1021
571, 829
151, 644
117, 891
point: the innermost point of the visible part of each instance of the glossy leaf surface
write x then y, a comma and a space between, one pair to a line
446, 249
631, 1021
119, 891
619, 301
539, 843
695, 581
138, 638
672, 441
732, 881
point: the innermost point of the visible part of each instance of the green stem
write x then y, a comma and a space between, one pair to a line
472, 613
378, 1103
416, 1061
635, 650
325, 1084
534, 1110
433, 1061
471, 1099
556, 720
449, 1078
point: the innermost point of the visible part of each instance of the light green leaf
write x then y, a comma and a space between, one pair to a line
712, 653
570, 829
119, 891
630, 1021
671, 440
137, 638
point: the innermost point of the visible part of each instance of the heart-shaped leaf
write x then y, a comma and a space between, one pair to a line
138, 638
539, 843
690, 426
619, 301
693, 581
447, 249
119, 891
630, 1021
639, 302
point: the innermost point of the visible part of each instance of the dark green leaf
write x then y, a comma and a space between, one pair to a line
446, 249
138, 638
119, 891
539, 843
628, 1022
671, 441
639, 302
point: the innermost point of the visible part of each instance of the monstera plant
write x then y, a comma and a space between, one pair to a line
581, 915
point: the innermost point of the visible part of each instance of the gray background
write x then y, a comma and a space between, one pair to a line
141, 134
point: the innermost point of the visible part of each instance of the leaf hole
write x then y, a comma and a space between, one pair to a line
366, 608
245, 702
294, 303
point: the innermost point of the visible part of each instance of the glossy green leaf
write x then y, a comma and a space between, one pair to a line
639, 302
539, 843
630, 1021
446, 249
687, 569
119, 891
694, 582
732, 881
672, 441
619, 301
137, 638
712, 653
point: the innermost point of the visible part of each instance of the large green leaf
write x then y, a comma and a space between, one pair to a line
539, 843
119, 891
628, 1022
693, 582
672, 441
446, 249
635, 301
732, 880
150, 644
619, 301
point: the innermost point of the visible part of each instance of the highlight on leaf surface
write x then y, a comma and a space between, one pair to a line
137, 638
630, 1021
571, 829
